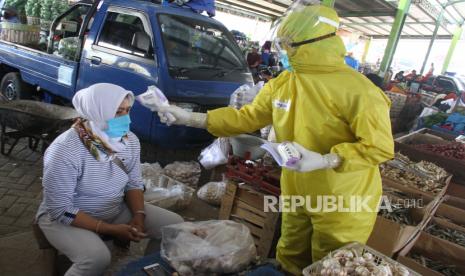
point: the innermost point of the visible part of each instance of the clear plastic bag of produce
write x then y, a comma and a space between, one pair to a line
151, 173
208, 247
244, 95
169, 194
185, 172
215, 154
212, 192
67, 47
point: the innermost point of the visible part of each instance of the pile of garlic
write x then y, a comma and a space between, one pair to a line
346, 262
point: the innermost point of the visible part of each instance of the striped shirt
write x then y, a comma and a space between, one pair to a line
73, 180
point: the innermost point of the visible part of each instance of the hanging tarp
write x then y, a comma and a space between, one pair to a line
199, 6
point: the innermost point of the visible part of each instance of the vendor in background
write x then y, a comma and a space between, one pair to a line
399, 77
266, 53
411, 76
254, 60
93, 185
376, 80
265, 74
428, 75
352, 61
10, 15
336, 118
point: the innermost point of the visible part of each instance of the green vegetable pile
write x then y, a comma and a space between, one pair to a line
51, 9
33, 8
437, 118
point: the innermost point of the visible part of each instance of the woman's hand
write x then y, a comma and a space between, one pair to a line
126, 232
138, 222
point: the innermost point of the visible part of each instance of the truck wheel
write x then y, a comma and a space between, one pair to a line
13, 88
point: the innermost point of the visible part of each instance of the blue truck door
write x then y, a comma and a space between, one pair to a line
122, 53
55, 72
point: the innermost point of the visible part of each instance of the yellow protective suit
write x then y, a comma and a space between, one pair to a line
326, 107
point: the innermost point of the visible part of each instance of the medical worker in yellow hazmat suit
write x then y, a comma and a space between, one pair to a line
335, 117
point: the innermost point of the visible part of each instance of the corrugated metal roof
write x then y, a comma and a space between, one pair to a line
371, 17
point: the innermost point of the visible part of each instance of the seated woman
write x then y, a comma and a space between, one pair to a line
93, 185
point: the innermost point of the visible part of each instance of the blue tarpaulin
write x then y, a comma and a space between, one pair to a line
198, 6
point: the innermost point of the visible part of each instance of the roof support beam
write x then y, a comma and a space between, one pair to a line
367, 13
241, 12
451, 3
383, 23
365, 51
450, 52
365, 27
250, 7
433, 38
423, 37
329, 3
396, 31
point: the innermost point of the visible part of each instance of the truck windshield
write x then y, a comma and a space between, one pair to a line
197, 45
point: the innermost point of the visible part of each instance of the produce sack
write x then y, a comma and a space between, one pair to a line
185, 172
151, 174
244, 95
207, 247
215, 154
212, 192
169, 194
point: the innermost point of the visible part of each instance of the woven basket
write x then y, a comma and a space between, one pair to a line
397, 103
361, 249
20, 33
31, 20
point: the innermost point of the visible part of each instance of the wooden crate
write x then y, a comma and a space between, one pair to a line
245, 205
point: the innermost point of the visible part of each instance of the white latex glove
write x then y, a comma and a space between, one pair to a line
312, 161
181, 116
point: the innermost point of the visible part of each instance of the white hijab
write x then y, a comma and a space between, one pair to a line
98, 103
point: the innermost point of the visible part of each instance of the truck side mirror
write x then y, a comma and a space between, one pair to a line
141, 41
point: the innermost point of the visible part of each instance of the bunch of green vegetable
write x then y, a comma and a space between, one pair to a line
33, 8
18, 5
45, 10
434, 119
51, 9
59, 7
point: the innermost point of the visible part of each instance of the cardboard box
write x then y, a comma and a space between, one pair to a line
456, 195
435, 249
446, 224
397, 184
451, 213
426, 136
412, 264
428, 196
389, 237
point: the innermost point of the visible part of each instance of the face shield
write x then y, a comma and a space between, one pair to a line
305, 22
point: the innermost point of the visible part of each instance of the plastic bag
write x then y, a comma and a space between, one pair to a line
244, 95
68, 47
169, 194
215, 154
150, 174
212, 192
185, 172
207, 247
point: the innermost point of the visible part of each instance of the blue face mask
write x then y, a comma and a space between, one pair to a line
284, 59
118, 127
